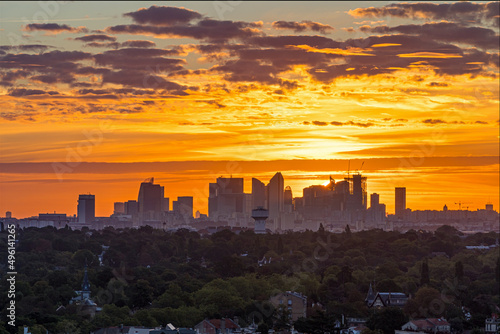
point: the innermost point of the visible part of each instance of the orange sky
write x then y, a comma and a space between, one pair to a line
397, 86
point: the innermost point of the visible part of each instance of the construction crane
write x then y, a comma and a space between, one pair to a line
460, 204
357, 170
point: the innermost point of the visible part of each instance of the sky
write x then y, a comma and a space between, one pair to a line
95, 97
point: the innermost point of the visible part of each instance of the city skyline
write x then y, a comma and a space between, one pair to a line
96, 99
150, 197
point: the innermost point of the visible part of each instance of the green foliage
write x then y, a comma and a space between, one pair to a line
387, 320
150, 275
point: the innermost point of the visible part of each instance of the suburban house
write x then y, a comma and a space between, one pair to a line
385, 299
492, 325
294, 302
429, 325
217, 326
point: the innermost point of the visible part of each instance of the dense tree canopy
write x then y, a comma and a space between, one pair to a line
151, 277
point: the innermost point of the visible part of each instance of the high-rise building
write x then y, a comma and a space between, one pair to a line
8, 214
374, 200
400, 201
226, 197
165, 204
86, 209
258, 194
288, 200
275, 195
131, 208
118, 208
359, 191
184, 206
150, 197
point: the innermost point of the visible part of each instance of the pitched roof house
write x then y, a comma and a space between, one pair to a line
429, 325
385, 299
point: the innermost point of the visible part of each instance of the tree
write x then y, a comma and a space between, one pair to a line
279, 246
424, 273
348, 231
282, 318
497, 270
459, 270
318, 323
388, 320
140, 293
427, 303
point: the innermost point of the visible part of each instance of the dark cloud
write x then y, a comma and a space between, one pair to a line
96, 38
438, 84
283, 41
465, 12
150, 60
139, 44
207, 29
20, 92
25, 47
337, 123
116, 92
142, 80
10, 77
53, 58
445, 31
107, 45
50, 67
481, 122
434, 121
302, 26
163, 15
54, 28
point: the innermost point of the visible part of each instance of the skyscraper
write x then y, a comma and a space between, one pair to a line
226, 197
359, 191
184, 206
400, 201
86, 209
374, 200
275, 195
288, 200
258, 194
150, 199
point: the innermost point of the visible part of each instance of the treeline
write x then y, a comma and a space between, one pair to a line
151, 277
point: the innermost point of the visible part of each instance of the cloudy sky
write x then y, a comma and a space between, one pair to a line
97, 96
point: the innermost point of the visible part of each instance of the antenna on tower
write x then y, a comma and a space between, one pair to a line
348, 167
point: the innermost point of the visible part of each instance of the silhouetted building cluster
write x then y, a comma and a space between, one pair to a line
268, 207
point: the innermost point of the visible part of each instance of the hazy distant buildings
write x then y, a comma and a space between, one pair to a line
183, 206
288, 200
150, 200
400, 202
118, 208
86, 209
258, 194
357, 191
275, 195
226, 197
131, 208
165, 204
376, 213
